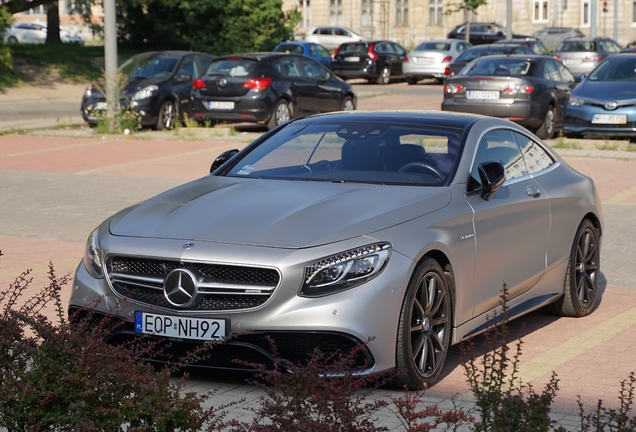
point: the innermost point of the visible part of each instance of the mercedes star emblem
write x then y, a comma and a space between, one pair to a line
180, 288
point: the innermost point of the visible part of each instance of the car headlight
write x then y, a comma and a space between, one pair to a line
145, 92
576, 101
88, 92
345, 270
93, 256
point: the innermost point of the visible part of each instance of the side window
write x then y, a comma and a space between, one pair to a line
288, 68
550, 72
566, 75
398, 49
341, 32
313, 50
323, 51
498, 146
381, 48
189, 67
534, 155
462, 46
313, 69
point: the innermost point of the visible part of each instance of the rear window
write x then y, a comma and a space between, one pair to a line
574, 46
432, 46
290, 48
469, 55
353, 48
234, 67
499, 67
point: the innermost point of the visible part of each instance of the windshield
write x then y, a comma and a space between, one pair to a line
576, 46
149, 66
361, 152
433, 46
615, 69
234, 67
498, 67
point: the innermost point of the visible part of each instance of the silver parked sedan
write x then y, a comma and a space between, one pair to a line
431, 58
396, 228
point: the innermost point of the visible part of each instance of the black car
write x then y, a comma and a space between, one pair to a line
158, 87
268, 88
376, 61
483, 33
530, 90
484, 50
535, 45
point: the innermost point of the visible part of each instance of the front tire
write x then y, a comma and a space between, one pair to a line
385, 76
546, 130
424, 329
167, 115
348, 104
12, 39
583, 273
280, 115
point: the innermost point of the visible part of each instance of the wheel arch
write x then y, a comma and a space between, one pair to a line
595, 221
446, 265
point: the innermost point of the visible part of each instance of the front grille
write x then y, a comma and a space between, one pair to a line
588, 124
221, 287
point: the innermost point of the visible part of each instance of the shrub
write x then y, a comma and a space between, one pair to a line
57, 376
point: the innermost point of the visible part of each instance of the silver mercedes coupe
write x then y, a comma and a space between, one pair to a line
391, 232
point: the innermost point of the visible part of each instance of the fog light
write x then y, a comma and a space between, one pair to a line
142, 113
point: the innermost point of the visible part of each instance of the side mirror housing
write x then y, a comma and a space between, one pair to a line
492, 176
222, 158
183, 79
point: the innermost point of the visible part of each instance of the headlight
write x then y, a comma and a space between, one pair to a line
145, 92
345, 270
93, 256
576, 101
88, 92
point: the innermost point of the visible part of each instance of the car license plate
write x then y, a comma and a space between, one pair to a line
424, 60
352, 59
572, 61
609, 119
218, 105
101, 105
482, 94
179, 327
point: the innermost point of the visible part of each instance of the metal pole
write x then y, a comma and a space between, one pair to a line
110, 57
508, 19
593, 17
615, 20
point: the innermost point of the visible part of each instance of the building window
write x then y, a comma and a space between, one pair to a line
435, 12
335, 13
402, 13
540, 11
585, 13
367, 13
304, 7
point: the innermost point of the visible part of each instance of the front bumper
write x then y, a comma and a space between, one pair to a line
146, 109
578, 120
334, 323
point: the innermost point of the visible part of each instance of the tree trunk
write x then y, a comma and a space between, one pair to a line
53, 23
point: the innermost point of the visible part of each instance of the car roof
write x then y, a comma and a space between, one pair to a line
172, 53
514, 56
259, 55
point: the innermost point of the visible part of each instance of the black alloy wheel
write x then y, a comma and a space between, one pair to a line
347, 104
583, 274
425, 327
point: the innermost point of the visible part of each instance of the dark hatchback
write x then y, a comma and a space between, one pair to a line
268, 88
483, 33
530, 90
376, 61
158, 87
473, 53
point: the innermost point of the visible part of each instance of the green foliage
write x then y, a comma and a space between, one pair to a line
612, 420
215, 26
502, 400
467, 6
7, 74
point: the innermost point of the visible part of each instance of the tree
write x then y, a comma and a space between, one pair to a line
469, 7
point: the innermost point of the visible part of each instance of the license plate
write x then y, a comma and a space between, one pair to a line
352, 59
179, 327
218, 105
424, 60
482, 94
100, 105
609, 119
572, 61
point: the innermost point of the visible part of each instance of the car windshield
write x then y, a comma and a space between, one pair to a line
234, 67
574, 46
615, 69
433, 46
499, 67
472, 54
354, 151
149, 66
291, 48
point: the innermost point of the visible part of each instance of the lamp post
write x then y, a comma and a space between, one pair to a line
110, 59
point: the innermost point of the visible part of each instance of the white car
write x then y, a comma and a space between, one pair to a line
35, 33
430, 59
332, 37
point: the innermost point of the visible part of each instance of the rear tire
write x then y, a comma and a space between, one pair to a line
12, 39
348, 104
424, 328
385, 76
546, 130
583, 273
280, 115
411, 80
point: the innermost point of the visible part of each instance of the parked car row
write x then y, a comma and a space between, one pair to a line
35, 33
267, 88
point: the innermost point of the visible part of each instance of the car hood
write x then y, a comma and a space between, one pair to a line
132, 86
275, 213
605, 91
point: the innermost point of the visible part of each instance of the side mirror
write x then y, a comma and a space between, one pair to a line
182, 79
492, 176
500, 34
222, 158
579, 78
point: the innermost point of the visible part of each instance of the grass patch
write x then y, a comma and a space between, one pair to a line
607, 146
13, 131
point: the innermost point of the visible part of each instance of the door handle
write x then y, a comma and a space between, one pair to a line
533, 192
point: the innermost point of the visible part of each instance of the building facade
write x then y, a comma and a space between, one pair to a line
410, 22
